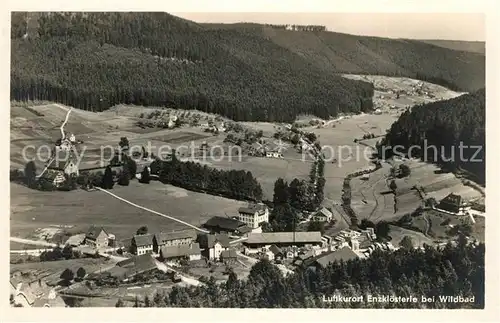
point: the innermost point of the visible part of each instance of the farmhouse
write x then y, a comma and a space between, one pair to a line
212, 245
67, 166
142, 244
219, 224
282, 239
182, 251
174, 238
130, 267
97, 238
323, 215
253, 215
343, 254
228, 256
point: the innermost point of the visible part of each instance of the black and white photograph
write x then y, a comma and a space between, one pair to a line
247, 160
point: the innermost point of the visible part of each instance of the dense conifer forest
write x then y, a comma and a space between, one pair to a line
98, 60
93, 61
445, 125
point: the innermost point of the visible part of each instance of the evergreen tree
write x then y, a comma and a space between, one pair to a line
67, 275
124, 179
145, 177
80, 273
30, 174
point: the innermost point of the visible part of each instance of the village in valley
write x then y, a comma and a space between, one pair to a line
124, 232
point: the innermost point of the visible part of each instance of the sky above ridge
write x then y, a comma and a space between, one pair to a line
448, 26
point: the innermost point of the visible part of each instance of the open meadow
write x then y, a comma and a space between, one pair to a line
39, 125
433, 181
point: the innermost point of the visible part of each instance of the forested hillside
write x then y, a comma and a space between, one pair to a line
342, 53
450, 271
446, 125
445, 63
244, 71
466, 46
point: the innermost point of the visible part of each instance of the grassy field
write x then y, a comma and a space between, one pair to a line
397, 234
435, 183
51, 270
35, 209
438, 225
370, 199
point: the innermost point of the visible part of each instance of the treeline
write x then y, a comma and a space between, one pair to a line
450, 133
298, 27
407, 272
93, 61
235, 184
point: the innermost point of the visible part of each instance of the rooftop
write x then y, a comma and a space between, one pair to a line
325, 212
252, 208
142, 262
344, 254
224, 223
94, 232
180, 250
143, 240
275, 249
209, 240
284, 237
174, 235
452, 199
230, 253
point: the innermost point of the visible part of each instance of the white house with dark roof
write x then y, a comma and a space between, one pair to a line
142, 244
323, 215
97, 237
213, 245
254, 214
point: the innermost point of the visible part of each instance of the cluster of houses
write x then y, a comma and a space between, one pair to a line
184, 245
269, 150
215, 127
297, 248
